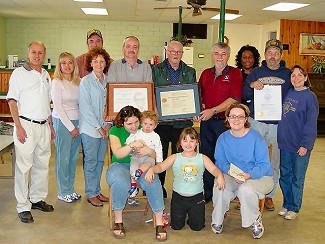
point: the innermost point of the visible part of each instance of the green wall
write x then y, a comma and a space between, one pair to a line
3, 41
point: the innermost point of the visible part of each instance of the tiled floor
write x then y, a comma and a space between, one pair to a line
79, 222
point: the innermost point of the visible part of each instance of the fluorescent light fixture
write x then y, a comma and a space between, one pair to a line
286, 6
95, 11
227, 16
90, 1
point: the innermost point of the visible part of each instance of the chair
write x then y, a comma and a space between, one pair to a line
128, 210
261, 202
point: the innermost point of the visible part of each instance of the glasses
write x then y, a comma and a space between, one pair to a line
175, 52
239, 117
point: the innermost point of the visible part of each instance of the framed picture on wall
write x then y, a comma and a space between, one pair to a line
312, 44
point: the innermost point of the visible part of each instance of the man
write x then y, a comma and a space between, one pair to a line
130, 68
271, 67
220, 86
172, 71
29, 102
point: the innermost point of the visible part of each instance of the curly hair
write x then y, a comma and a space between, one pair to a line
125, 113
255, 53
152, 115
94, 53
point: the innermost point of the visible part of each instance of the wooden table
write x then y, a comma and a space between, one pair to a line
7, 145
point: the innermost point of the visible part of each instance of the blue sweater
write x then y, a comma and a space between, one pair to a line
261, 72
298, 125
249, 153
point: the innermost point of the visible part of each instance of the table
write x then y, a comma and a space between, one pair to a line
7, 145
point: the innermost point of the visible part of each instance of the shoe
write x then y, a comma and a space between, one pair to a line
136, 174
26, 217
161, 234
67, 198
283, 212
76, 196
257, 228
43, 206
102, 198
95, 201
290, 215
133, 201
269, 205
217, 229
119, 231
133, 191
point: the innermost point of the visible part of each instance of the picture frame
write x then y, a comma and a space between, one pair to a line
137, 94
178, 102
312, 44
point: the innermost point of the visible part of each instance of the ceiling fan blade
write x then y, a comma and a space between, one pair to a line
173, 8
228, 11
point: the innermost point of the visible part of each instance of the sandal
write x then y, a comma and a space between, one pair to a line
159, 231
119, 227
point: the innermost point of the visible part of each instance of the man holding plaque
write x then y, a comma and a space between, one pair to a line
172, 71
220, 86
270, 75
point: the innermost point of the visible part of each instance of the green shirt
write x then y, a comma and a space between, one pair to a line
122, 134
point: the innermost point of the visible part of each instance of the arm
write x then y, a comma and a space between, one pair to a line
118, 150
20, 131
158, 168
49, 119
208, 164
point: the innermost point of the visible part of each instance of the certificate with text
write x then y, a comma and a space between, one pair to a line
268, 103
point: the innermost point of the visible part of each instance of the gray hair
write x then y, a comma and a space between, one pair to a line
174, 43
221, 45
36, 42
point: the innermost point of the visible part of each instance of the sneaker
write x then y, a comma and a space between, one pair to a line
257, 228
217, 229
133, 201
67, 198
75, 196
43, 206
283, 212
133, 191
136, 174
290, 215
269, 205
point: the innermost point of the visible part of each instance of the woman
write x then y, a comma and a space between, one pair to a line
127, 122
297, 132
65, 98
93, 128
242, 155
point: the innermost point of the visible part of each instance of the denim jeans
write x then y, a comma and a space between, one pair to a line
269, 133
66, 157
292, 178
94, 152
118, 177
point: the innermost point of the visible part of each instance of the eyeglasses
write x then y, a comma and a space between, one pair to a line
239, 117
175, 52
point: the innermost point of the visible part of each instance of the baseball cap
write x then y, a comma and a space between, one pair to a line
274, 43
94, 32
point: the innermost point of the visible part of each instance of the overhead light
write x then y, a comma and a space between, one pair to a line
90, 1
95, 11
286, 6
227, 16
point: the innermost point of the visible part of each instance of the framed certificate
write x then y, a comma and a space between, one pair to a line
177, 102
137, 94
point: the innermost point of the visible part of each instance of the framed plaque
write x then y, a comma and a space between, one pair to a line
177, 102
137, 94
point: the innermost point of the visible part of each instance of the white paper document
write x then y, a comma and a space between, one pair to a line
268, 103
235, 171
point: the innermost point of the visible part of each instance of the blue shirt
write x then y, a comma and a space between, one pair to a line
173, 74
92, 102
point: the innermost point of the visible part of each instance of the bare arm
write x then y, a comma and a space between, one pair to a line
20, 131
158, 168
118, 150
215, 171
209, 112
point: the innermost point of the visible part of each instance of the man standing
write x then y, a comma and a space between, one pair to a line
220, 86
129, 68
29, 101
271, 72
172, 71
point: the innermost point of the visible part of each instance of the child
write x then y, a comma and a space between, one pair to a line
147, 136
188, 167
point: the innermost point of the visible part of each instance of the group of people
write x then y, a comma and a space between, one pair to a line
230, 135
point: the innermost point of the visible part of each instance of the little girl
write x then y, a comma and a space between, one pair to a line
188, 167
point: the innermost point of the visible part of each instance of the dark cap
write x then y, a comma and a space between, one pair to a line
274, 43
94, 32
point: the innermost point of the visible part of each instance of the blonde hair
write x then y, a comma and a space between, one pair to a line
75, 74
149, 115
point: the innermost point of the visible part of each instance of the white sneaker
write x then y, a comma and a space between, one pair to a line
133, 201
290, 215
75, 196
283, 212
66, 198
217, 229
257, 228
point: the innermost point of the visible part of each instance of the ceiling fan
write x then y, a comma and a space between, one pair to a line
197, 7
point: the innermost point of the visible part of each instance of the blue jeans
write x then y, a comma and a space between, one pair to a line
118, 177
94, 154
66, 157
269, 133
292, 178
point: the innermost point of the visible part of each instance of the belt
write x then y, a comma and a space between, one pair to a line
33, 121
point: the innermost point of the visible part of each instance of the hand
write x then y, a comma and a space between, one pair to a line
206, 114
103, 133
196, 119
302, 151
258, 85
52, 133
75, 132
138, 143
149, 176
142, 151
21, 134
220, 183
